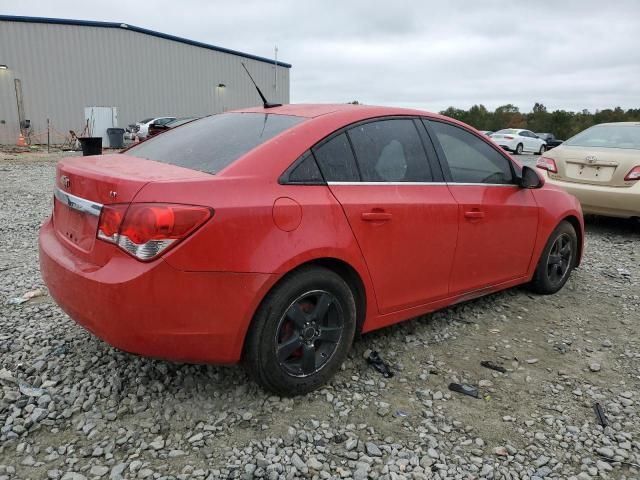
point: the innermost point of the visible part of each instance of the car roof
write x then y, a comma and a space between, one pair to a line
322, 120
629, 124
317, 110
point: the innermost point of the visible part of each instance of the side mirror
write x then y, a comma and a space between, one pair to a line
530, 178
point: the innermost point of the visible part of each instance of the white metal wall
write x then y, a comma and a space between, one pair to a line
65, 68
8, 107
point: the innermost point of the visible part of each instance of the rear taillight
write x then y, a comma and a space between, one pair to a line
634, 174
145, 230
508, 137
547, 164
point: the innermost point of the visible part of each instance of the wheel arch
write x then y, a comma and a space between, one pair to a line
575, 223
351, 276
343, 269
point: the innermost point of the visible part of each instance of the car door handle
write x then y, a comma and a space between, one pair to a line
376, 216
474, 214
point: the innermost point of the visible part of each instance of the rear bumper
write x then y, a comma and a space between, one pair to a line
621, 202
153, 309
507, 145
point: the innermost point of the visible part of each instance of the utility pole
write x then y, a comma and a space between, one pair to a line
275, 69
18, 86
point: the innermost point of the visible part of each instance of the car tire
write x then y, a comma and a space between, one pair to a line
558, 259
519, 149
542, 150
301, 333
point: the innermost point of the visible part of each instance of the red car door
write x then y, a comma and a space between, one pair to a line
405, 225
498, 220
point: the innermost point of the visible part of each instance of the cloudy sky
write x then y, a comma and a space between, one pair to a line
572, 54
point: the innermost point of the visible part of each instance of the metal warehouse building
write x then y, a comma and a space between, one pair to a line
55, 68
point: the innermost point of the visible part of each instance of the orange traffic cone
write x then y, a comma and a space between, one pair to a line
21, 141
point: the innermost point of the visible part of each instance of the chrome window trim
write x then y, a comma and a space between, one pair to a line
386, 183
77, 203
423, 183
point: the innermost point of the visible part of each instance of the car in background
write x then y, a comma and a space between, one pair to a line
517, 140
549, 139
600, 166
272, 236
141, 128
486, 132
156, 128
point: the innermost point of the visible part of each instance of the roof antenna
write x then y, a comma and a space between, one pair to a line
266, 103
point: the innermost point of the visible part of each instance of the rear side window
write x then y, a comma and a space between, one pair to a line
470, 159
336, 161
304, 172
212, 143
390, 151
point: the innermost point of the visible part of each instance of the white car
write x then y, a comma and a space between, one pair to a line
143, 125
517, 140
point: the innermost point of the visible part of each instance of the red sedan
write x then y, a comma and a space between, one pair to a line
272, 236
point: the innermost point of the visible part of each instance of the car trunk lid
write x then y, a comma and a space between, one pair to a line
84, 184
500, 136
595, 166
504, 135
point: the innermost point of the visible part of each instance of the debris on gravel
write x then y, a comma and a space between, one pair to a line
72, 407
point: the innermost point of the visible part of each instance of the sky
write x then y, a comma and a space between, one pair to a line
571, 54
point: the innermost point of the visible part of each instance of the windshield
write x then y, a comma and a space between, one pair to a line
146, 120
612, 136
212, 143
509, 131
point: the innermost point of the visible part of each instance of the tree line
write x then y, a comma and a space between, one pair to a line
561, 123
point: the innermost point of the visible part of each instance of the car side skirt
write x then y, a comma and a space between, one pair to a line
381, 321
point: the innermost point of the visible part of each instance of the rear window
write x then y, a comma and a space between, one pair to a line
507, 131
180, 121
212, 143
612, 136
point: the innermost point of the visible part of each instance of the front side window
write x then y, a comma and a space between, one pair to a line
390, 151
470, 159
213, 143
335, 159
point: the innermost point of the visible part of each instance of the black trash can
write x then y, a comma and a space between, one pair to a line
91, 146
116, 137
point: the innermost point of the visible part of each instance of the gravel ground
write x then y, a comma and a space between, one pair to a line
73, 407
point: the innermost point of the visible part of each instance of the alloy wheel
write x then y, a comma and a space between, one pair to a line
309, 333
559, 260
